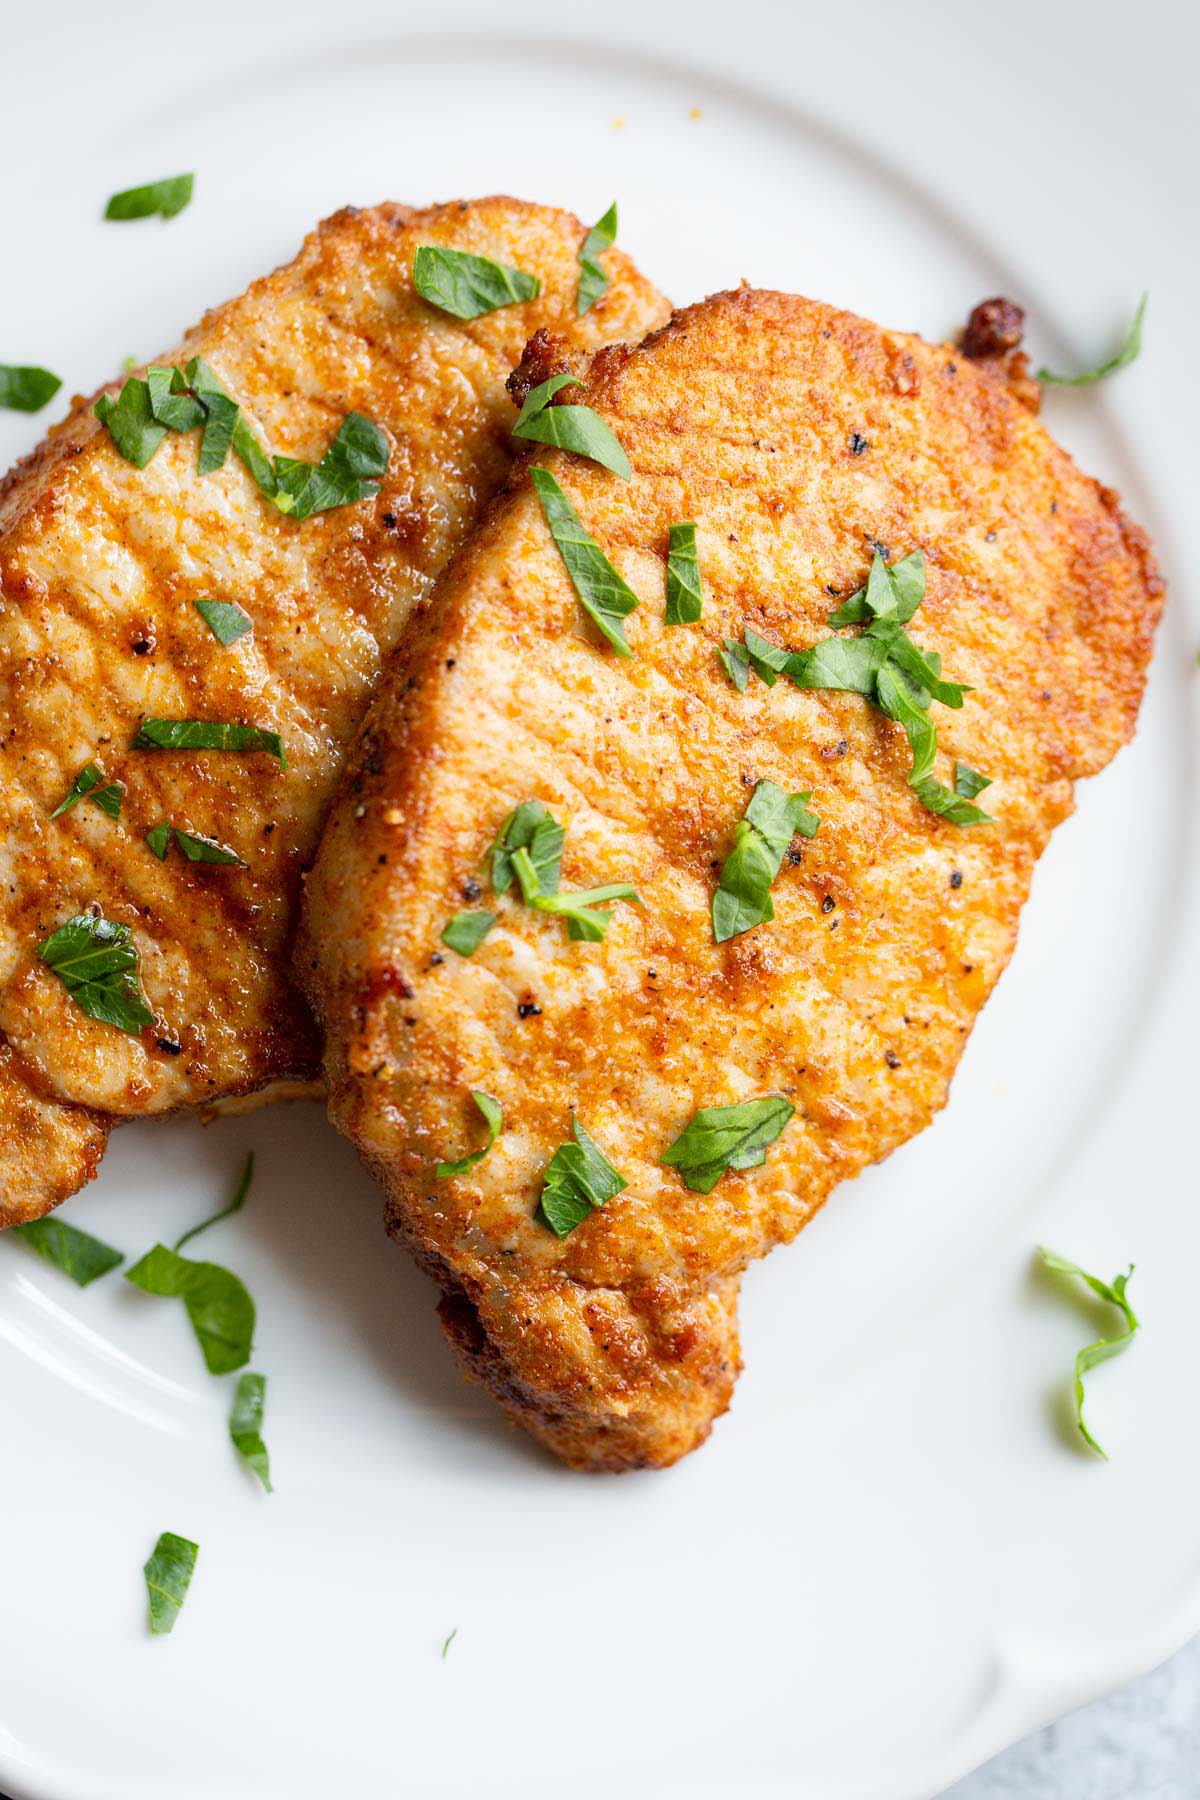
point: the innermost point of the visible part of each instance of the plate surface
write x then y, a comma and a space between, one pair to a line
889, 1560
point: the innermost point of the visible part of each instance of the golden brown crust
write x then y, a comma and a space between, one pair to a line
798, 438
100, 564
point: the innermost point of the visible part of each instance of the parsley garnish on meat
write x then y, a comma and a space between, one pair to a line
163, 198
575, 428
529, 848
761, 840
604, 596
97, 963
207, 734
493, 1118
685, 596
225, 619
592, 280
727, 1137
468, 286
579, 1178
884, 665
107, 795
165, 399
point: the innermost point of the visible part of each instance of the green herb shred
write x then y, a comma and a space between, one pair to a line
493, 1118
579, 1178
1129, 350
26, 388
727, 1137
575, 428
761, 841
1114, 1293
592, 280
603, 595
468, 286
163, 199
75, 1253
685, 597
97, 963
168, 1575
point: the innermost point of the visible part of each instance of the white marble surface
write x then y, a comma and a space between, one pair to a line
1140, 1744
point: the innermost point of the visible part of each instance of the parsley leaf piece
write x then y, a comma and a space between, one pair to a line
592, 280
109, 798
165, 198
346, 473
761, 839
849, 664
587, 921
76, 1253
158, 840
578, 1179
493, 1118
207, 734
603, 595
168, 1576
170, 402
225, 619
26, 388
200, 849
219, 1308
235, 1205
936, 797
576, 428
131, 424
206, 384
220, 417
516, 831
468, 286
89, 777
1114, 1293
685, 596
967, 783
895, 695
448, 1641
767, 660
467, 930
726, 1137
924, 670
97, 963
537, 863
1127, 353
908, 580
735, 660
245, 1425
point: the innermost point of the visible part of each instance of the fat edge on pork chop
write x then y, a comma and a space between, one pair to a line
803, 442
101, 568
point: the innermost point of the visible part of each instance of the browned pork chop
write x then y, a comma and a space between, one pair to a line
801, 440
100, 566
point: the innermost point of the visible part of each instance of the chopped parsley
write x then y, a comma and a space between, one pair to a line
466, 931
575, 428
1129, 350
493, 1118
97, 963
884, 665
166, 399
163, 198
207, 734
592, 280
761, 840
235, 1205
199, 849
158, 840
603, 595
529, 847
75, 1253
727, 1137
245, 1425
468, 286
1114, 1293
107, 795
168, 1575
217, 1304
685, 597
225, 619
579, 1178
26, 388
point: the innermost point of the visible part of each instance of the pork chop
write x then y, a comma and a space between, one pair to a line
815, 451
101, 566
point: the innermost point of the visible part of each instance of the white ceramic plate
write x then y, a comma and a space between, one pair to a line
888, 1561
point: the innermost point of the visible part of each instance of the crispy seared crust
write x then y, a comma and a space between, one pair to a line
100, 564
746, 414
